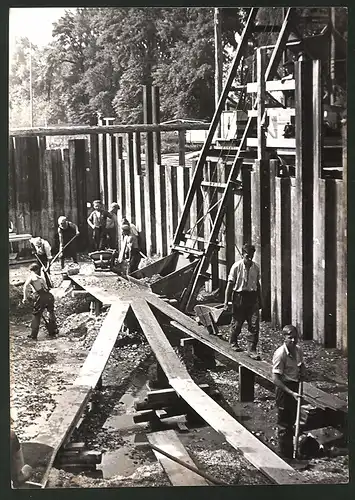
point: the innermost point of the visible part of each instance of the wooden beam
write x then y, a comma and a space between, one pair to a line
178, 475
252, 142
254, 450
107, 129
189, 327
272, 85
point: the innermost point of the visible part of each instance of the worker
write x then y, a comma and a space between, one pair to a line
66, 232
97, 221
287, 370
131, 245
244, 282
134, 229
43, 300
42, 249
112, 226
20, 472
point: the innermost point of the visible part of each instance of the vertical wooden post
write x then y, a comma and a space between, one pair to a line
102, 165
12, 183
234, 200
218, 60
261, 93
318, 212
302, 204
49, 197
274, 284
129, 170
66, 181
110, 169
246, 384
137, 153
342, 245
33, 159
149, 174
330, 280
23, 219
156, 119
160, 209
120, 174
94, 174
77, 167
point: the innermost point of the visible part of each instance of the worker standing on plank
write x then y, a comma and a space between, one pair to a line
131, 244
244, 282
43, 250
287, 370
43, 300
112, 226
66, 231
97, 221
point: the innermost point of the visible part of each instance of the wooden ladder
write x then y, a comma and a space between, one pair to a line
182, 233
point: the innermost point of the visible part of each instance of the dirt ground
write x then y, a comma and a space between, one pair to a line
42, 370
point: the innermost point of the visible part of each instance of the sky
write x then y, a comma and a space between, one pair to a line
34, 23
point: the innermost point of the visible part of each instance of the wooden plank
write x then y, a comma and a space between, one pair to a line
149, 172
34, 194
23, 221
102, 167
160, 209
129, 180
66, 183
96, 291
271, 111
107, 129
178, 475
319, 261
101, 349
110, 168
261, 93
254, 451
330, 277
77, 155
12, 184
341, 279
304, 198
261, 368
137, 153
58, 429
271, 142
283, 250
94, 174
272, 85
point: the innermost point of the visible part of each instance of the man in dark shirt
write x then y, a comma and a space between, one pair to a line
66, 231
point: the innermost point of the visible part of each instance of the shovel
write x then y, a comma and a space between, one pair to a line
60, 252
298, 418
45, 272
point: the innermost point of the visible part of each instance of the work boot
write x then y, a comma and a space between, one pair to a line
236, 347
252, 353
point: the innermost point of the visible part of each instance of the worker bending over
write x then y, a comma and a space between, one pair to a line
131, 246
43, 300
287, 370
67, 231
42, 249
244, 282
97, 221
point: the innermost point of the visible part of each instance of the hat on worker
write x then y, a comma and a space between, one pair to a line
126, 227
114, 205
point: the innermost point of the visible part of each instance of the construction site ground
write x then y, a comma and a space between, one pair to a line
42, 370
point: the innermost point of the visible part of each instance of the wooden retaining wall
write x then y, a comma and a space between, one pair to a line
298, 224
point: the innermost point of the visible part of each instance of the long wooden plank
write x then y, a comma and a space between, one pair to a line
99, 293
272, 85
100, 352
57, 429
179, 476
240, 438
261, 368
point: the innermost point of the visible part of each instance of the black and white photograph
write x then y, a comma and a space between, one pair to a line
177, 246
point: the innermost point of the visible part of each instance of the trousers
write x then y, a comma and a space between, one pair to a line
245, 308
134, 260
44, 300
286, 416
99, 236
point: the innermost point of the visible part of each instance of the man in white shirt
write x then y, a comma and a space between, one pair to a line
287, 370
244, 282
43, 250
43, 300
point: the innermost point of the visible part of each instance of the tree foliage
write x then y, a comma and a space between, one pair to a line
100, 58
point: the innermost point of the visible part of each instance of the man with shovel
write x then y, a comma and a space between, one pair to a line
43, 300
288, 372
67, 231
43, 250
